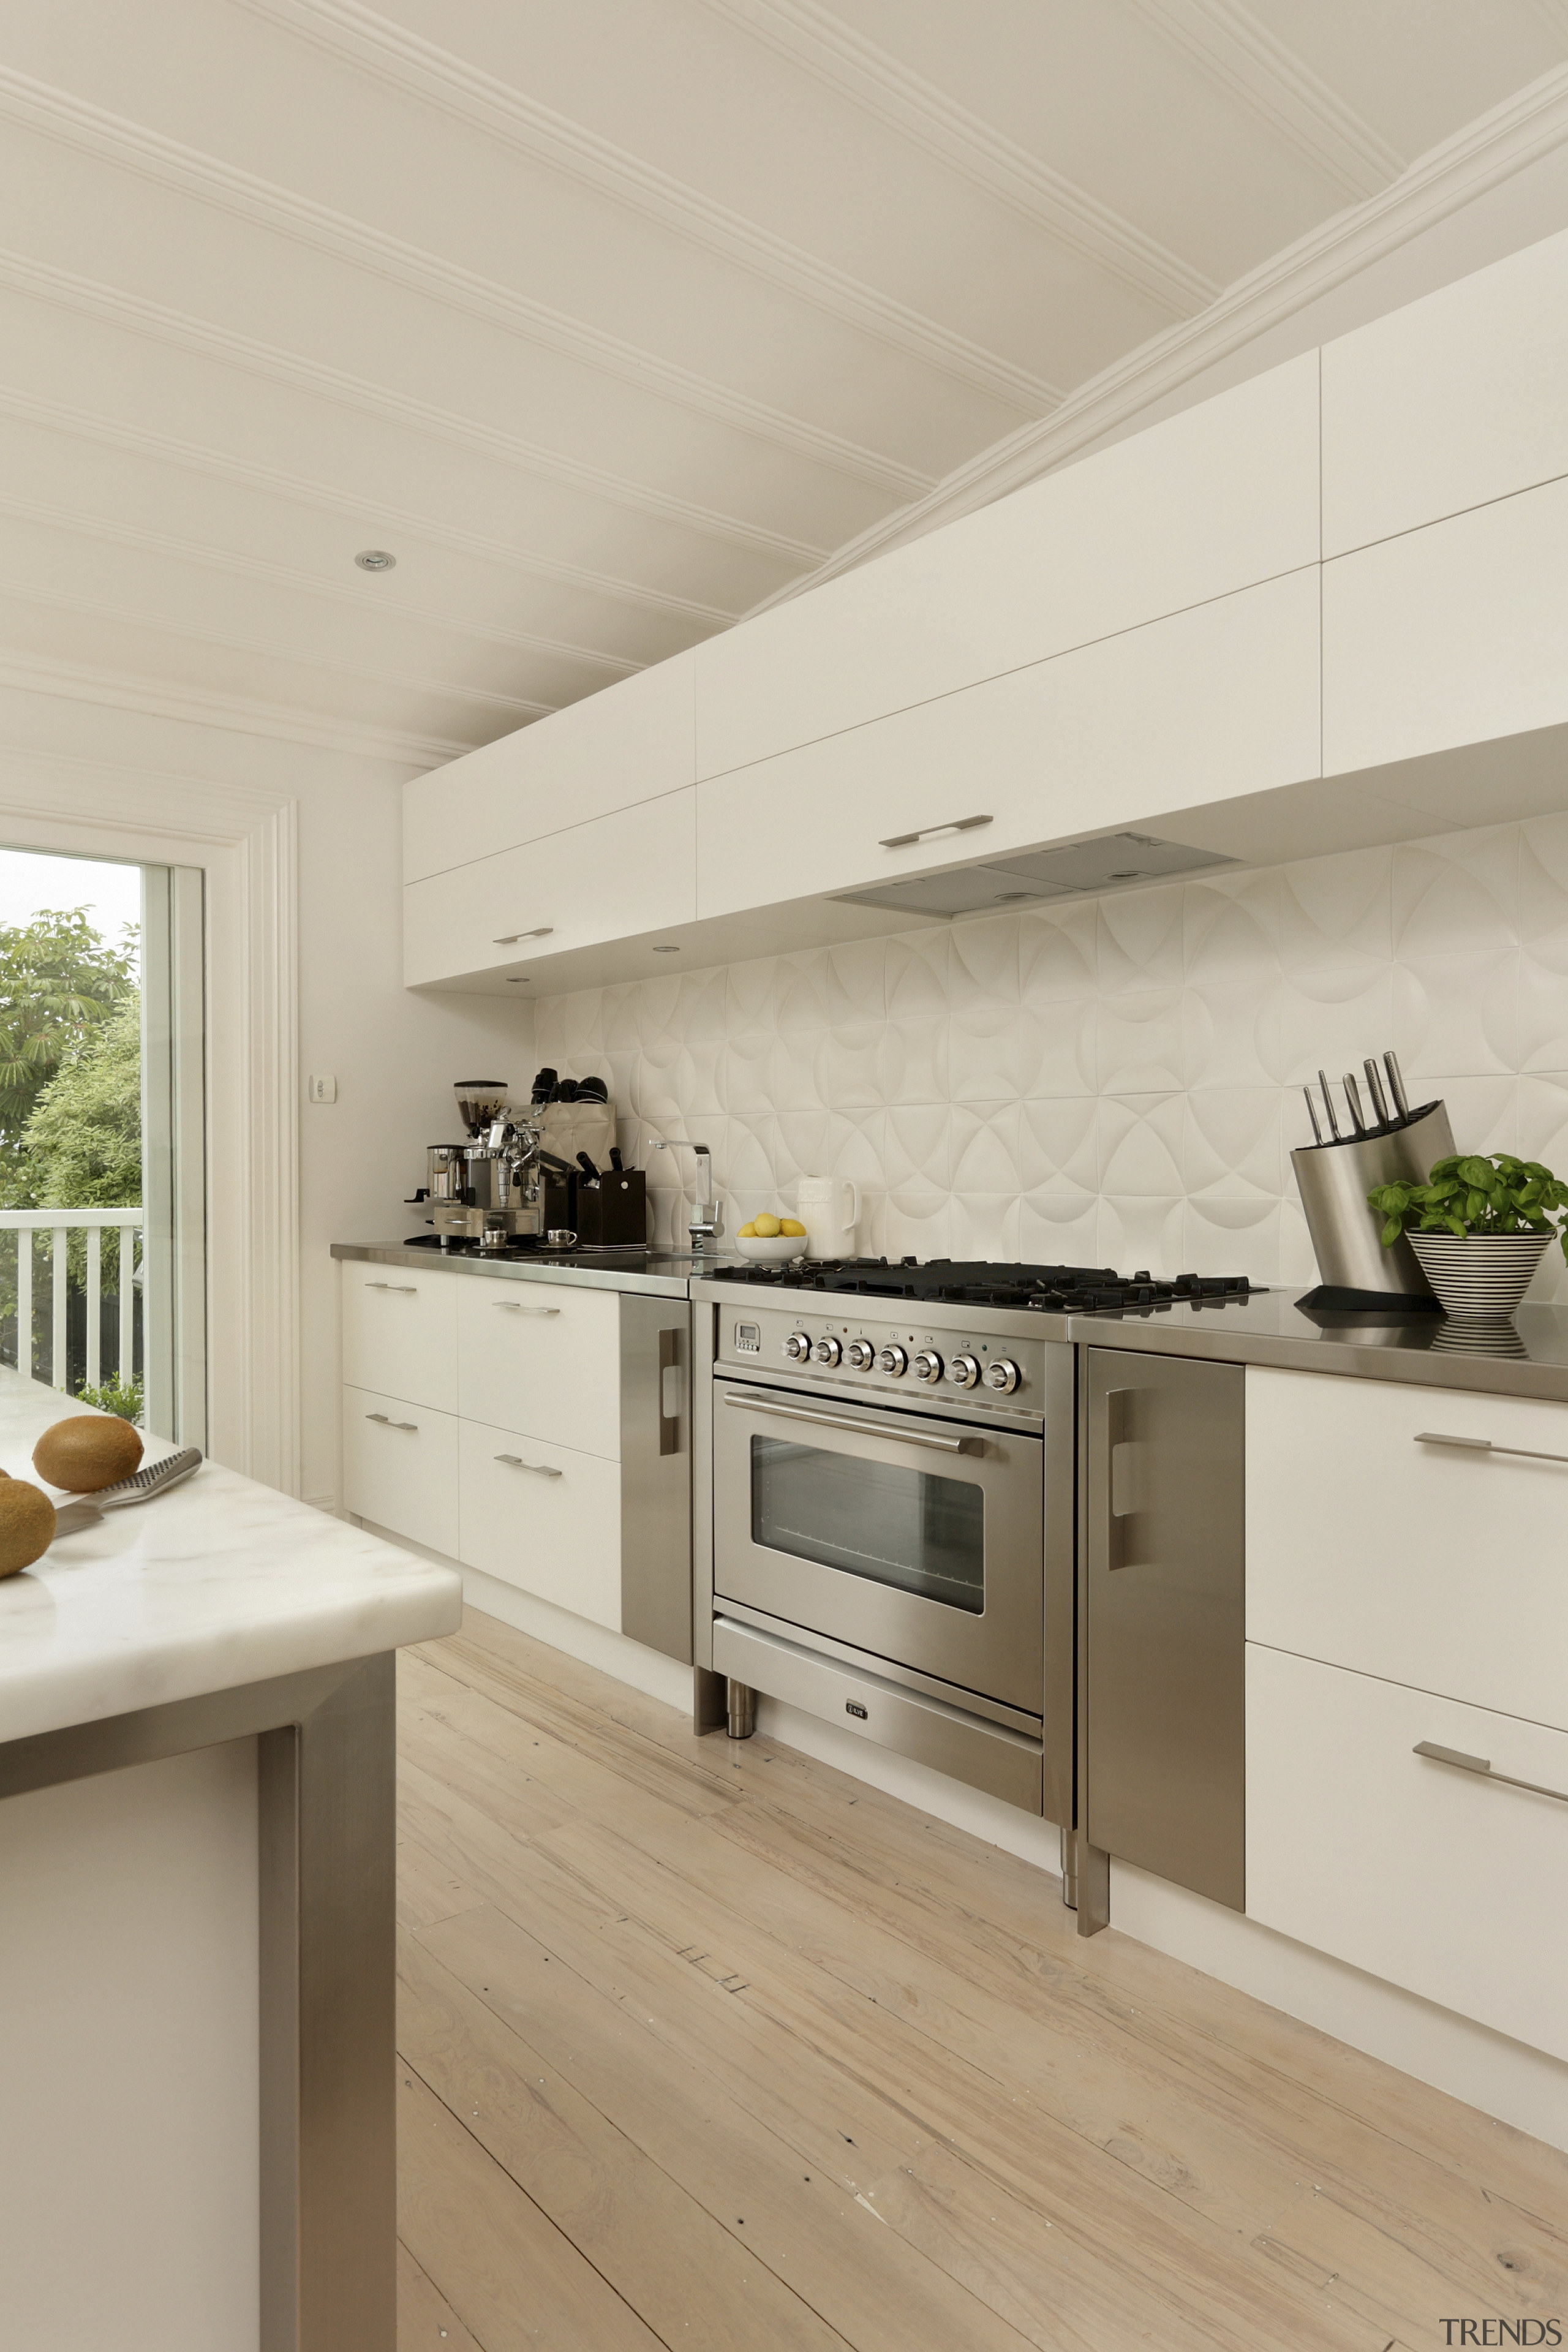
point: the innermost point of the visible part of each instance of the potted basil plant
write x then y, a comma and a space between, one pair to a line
1480, 1227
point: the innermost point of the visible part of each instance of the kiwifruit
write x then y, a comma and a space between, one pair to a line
88, 1451
27, 1524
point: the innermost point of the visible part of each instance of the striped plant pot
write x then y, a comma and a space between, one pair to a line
1484, 1276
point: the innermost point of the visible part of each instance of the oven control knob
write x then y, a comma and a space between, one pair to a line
1003, 1375
859, 1355
797, 1347
963, 1371
894, 1360
928, 1367
827, 1351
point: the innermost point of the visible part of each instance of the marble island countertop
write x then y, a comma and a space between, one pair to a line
217, 1583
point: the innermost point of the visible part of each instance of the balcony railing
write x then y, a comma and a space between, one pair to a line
54, 1326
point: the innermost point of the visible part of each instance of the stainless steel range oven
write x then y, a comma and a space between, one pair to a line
885, 1513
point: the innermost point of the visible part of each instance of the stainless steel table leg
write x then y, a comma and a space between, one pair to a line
329, 2140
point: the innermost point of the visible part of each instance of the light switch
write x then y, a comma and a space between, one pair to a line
323, 1090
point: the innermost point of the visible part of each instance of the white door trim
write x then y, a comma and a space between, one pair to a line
245, 841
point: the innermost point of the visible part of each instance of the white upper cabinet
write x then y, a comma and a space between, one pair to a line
628, 743
622, 876
1448, 635
1459, 399
1209, 703
1214, 499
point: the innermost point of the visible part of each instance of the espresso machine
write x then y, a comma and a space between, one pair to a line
486, 1190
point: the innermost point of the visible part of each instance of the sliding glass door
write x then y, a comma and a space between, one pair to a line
102, 1174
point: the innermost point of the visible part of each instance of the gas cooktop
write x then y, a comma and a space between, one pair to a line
979, 1281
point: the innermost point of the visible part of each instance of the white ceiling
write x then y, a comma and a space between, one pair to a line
610, 317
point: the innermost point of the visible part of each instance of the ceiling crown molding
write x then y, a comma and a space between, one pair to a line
271, 481
810, 38
138, 617
72, 786
1485, 153
237, 563
45, 282
28, 673
75, 122
438, 77
1553, 14
1242, 58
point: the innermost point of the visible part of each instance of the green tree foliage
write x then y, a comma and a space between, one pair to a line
59, 982
81, 1146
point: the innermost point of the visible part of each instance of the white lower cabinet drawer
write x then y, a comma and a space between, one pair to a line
400, 1331
543, 1356
543, 1517
400, 1468
1370, 1545
1444, 1880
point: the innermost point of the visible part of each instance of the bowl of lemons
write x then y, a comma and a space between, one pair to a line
772, 1241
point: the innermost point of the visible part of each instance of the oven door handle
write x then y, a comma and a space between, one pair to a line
858, 1428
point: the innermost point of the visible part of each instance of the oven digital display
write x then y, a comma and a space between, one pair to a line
912, 1529
748, 1340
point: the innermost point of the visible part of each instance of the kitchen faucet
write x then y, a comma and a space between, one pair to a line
706, 1222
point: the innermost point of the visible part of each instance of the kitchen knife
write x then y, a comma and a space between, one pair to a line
561, 1167
1352, 1100
616, 1162
589, 1166
1313, 1115
1374, 1091
1396, 1084
1329, 1106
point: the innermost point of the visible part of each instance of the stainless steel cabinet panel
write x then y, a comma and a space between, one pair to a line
1164, 1671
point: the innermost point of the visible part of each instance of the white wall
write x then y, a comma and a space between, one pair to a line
394, 1055
1112, 1082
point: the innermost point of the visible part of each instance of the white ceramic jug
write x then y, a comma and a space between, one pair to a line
829, 1207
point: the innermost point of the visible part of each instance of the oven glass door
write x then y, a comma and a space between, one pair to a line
917, 1539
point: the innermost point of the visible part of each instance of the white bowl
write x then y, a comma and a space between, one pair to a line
772, 1249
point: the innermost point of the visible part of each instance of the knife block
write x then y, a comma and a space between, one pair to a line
604, 1215
614, 1211
1335, 1179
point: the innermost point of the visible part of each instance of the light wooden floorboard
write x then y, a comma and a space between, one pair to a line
706, 2044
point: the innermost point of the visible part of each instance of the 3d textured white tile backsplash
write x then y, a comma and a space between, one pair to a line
1109, 1082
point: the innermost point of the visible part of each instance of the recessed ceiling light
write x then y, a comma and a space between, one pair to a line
375, 559
667, 950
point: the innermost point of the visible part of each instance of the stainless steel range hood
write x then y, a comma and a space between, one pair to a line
1079, 869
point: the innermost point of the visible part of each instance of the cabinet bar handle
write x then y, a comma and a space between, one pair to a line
1485, 1445
409, 1288
539, 1469
930, 832
510, 938
516, 1307
1480, 1765
884, 1435
388, 1423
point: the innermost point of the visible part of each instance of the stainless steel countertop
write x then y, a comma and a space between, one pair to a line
1269, 1329
666, 1272
1430, 1352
